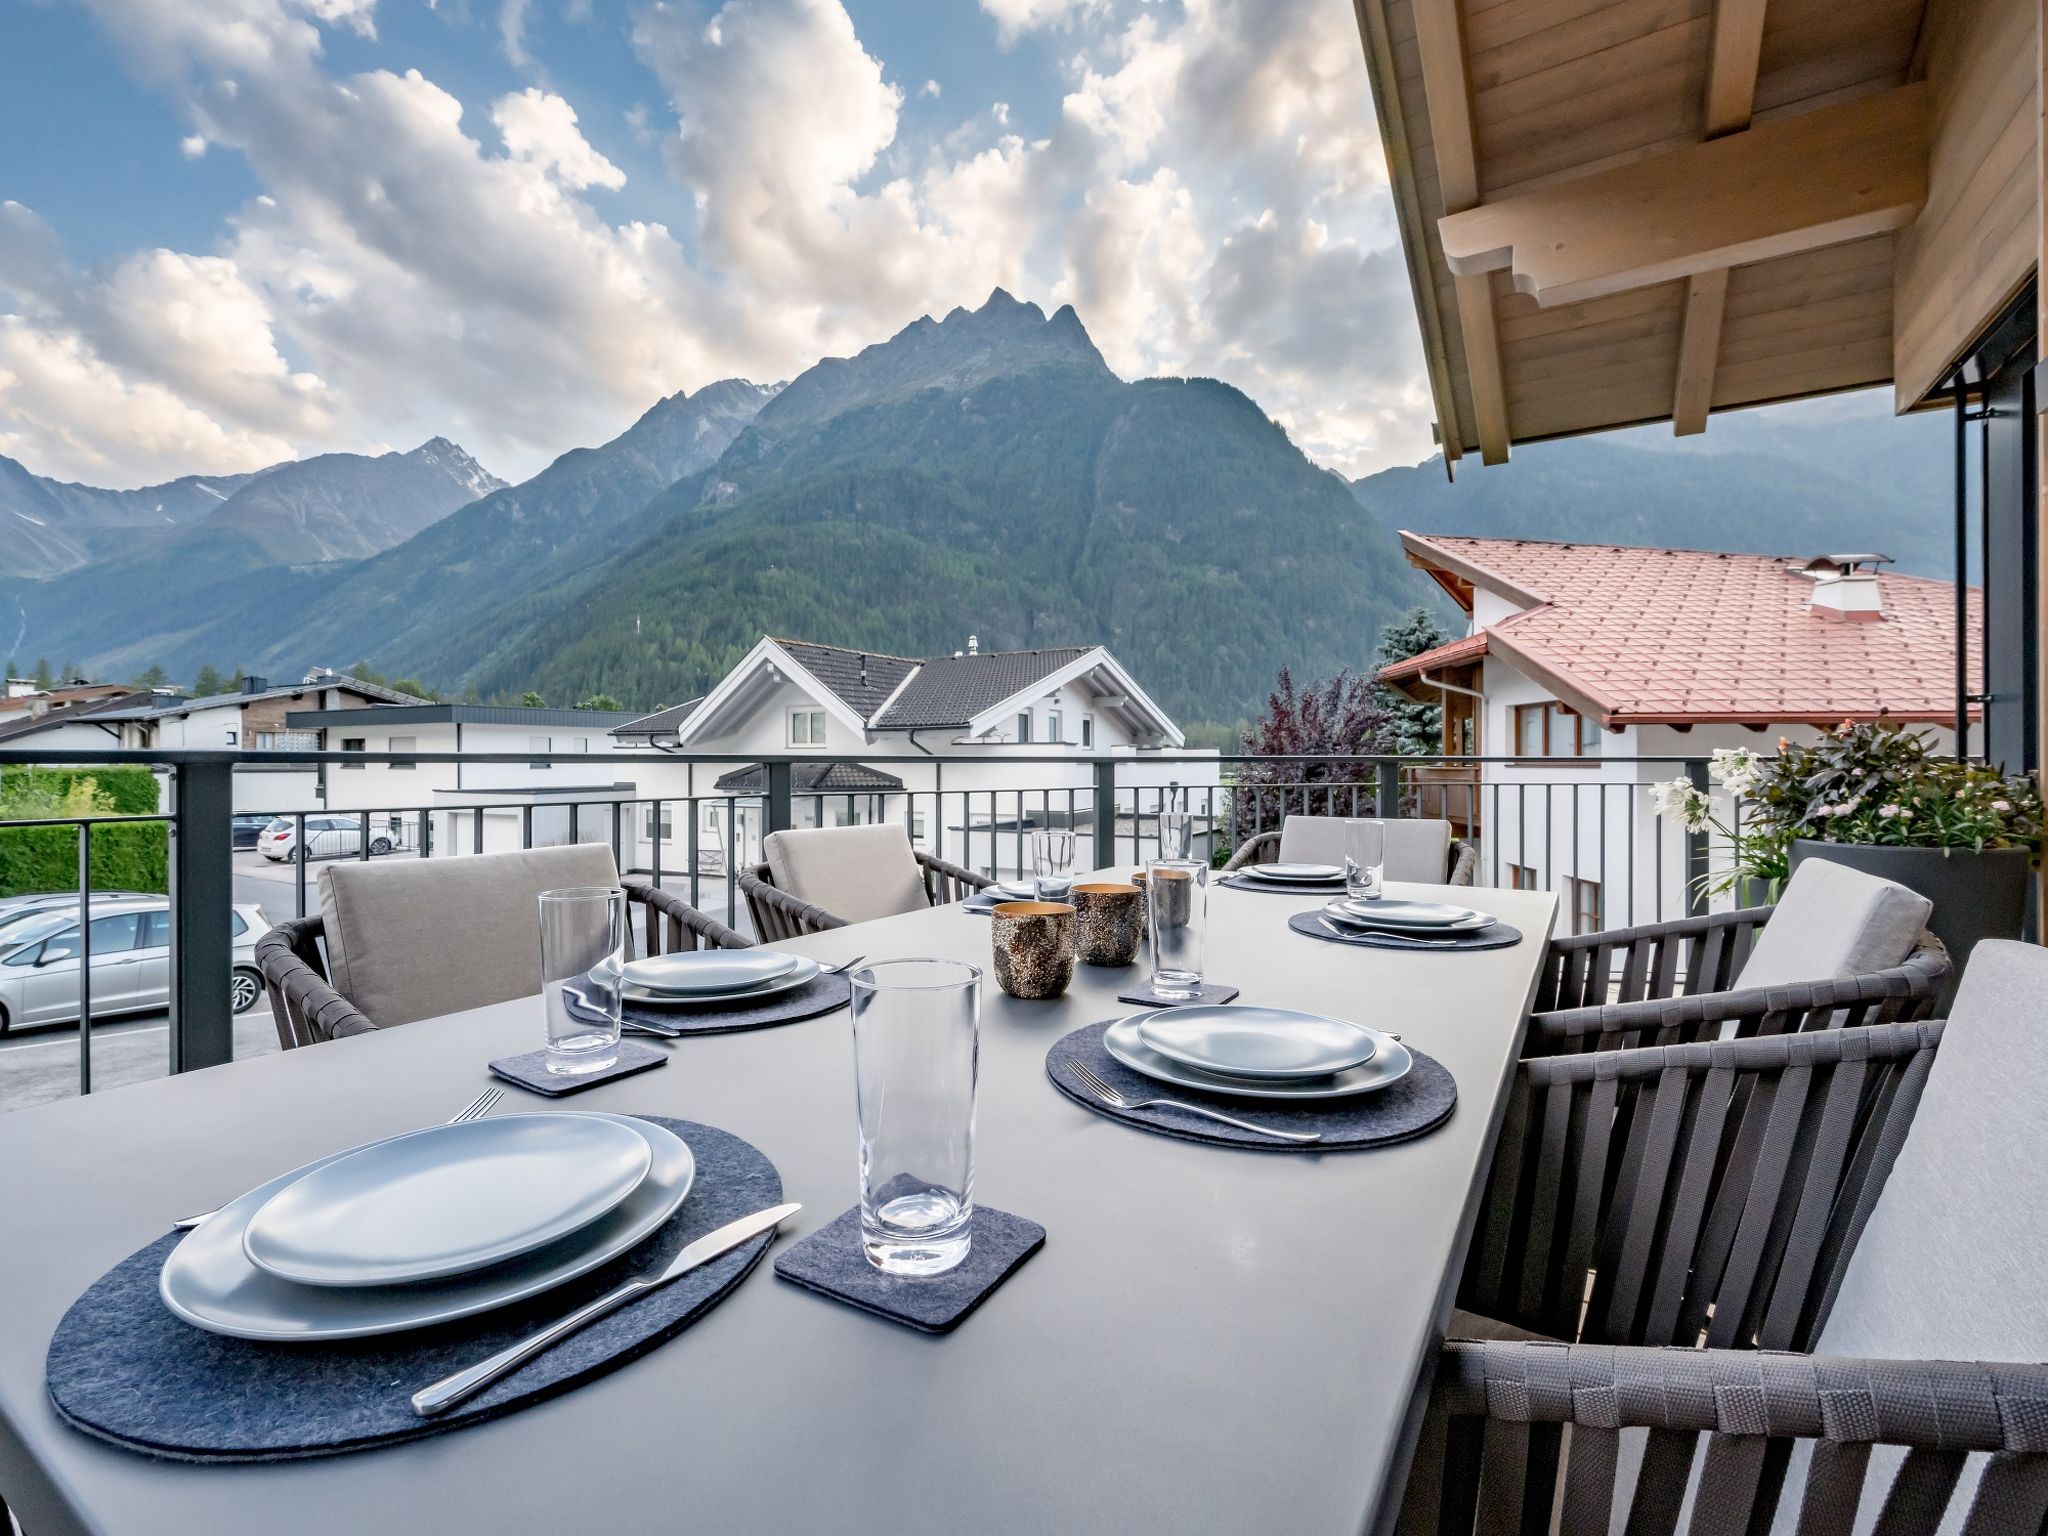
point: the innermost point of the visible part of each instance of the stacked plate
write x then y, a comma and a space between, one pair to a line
726, 976
1260, 1053
427, 1227
1422, 919
1292, 875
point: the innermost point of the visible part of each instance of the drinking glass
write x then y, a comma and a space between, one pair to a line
916, 1038
1052, 863
1176, 834
1365, 859
582, 964
1177, 913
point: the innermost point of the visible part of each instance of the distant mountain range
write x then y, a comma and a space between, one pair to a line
982, 474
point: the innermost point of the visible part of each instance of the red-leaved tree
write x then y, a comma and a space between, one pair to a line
1341, 720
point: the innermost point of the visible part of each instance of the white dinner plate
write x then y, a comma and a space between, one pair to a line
446, 1200
694, 971
1390, 1063
1249, 1041
210, 1283
1297, 874
1394, 913
1012, 890
805, 970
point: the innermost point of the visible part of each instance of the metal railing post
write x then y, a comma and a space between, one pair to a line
1105, 812
85, 957
1386, 789
1696, 861
777, 810
202, 891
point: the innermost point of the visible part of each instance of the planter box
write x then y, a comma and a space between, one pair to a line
1975, 895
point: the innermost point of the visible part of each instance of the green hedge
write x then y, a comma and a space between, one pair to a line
46, 858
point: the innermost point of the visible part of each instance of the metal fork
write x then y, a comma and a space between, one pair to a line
475, 1109
1398, 938
1116, 1100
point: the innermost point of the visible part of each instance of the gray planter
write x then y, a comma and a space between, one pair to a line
1975, 895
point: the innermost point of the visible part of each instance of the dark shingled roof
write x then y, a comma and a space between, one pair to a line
662, 722
862, 678
952, 690
119, 708
812, 778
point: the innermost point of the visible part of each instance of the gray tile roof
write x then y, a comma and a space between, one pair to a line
952, 690
812, 778
118, 708
662, 722
862, 678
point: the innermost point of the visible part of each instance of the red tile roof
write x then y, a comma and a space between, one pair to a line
1676, 636
1450, 654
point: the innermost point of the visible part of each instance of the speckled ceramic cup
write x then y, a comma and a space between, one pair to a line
1108, 920
1034, 947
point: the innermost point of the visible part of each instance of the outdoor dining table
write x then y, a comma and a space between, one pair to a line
1211, 1340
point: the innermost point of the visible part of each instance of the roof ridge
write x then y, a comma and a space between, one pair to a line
847, 650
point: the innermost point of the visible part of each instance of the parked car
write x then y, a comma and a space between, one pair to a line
330, 837
250, 826
131, 961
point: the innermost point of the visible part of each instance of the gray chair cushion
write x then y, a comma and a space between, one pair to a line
1835, 921
1417, 851
855, 873
412, 939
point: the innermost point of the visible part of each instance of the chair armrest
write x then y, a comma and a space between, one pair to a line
947, 883
1684, 955
779, 915
673, 924
1254, 850
1464, 863
304, 1003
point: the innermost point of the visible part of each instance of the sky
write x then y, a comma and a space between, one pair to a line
238, 231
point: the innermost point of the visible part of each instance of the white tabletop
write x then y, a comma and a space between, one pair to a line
1210, 1340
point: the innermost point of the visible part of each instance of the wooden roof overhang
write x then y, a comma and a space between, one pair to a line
1627, 211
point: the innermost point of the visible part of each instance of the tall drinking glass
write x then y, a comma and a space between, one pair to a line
916, 1038
1052, 863
1177, 913
582, 963
1365, 859
1176, 834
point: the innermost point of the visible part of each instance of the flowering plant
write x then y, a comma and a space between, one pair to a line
1875, 784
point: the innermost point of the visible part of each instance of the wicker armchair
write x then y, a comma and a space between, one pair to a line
308, 1010
1260, 848
1497, 1408
779, 915
1668, 983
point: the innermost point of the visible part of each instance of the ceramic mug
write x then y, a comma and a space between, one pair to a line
1108, 921
1034, 947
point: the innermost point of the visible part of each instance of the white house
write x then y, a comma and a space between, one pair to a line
1593, 661
1042, 712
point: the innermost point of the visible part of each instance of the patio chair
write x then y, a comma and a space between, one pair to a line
1936, 1267
828, 877
395, 943
1840, 948
1420, 851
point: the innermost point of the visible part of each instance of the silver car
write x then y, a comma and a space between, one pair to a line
131, 961
329, 837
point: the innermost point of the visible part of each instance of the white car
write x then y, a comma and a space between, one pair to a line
328, 837
131, 961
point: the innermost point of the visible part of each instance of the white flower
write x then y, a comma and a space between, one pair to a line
1736, 769
1891, 812
2001, 806
1677, 799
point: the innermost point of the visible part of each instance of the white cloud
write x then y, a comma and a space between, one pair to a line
512, 32
540, 130
192, 146
1015, 17
931, 88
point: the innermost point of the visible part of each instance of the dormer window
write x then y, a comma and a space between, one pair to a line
807, 727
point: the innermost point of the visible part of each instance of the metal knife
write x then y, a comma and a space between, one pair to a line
463, 1385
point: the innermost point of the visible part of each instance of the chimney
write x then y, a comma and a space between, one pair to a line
974, 645
1845, 588
255, 684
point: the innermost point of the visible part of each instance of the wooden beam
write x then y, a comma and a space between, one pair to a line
1737, 47
1792, 184
1440, 40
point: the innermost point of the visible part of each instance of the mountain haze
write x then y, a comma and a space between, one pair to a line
51, 526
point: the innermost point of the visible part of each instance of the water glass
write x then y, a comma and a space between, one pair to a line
1052, 863
1176, 835
582, 965
1177, 913
1365, 859
916, 1040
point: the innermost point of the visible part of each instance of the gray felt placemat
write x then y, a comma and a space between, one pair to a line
530, 1071
820, 995
832, 1262
1212, 993
1419, 1102
1243, 882
122, 1367
1498, 936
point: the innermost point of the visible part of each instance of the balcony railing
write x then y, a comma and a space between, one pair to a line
1584, 828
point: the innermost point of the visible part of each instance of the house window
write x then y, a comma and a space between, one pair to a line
1055, 730
1024, 726
1576, 735
405, 744
1522, 877
288, 741
663, 826
1087, 730
807, 727
538, 744
354, 744
1532, 730
1586, 913
1552, 730
917, 826
231, 738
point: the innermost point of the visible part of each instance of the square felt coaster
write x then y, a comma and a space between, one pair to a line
530, 1071
832, 1262
1212, 993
